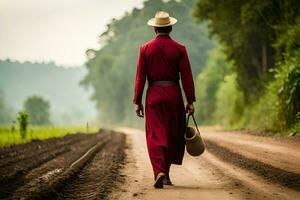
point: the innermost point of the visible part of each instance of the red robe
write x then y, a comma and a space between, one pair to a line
164, 59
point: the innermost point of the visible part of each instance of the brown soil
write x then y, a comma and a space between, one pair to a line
58, 168
287, 179
235, 166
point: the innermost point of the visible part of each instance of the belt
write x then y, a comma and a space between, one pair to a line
163, 83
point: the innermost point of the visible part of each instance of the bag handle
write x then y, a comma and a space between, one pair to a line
187, 121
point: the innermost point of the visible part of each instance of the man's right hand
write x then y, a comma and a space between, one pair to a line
189, 108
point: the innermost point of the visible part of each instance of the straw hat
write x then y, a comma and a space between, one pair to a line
162, 19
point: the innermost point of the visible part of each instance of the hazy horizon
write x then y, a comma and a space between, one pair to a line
55, 31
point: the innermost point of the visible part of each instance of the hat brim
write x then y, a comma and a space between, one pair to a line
151, 22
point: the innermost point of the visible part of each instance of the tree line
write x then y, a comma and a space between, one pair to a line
259, 42
58, 85
36, 108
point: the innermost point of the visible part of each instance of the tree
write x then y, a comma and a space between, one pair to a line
5, 110
111, 69
208, 83
2, 110
249, 29
38, 110
262, 39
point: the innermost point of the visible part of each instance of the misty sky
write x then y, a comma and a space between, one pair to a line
55, 30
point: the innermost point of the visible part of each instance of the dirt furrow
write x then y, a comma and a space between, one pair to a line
14, 173
11, 181
288, 179
28, 147
245, 183
40, 148
271, 151
40, 178
19, 174
285, 162
20, 167
97, 178
283, 146
55, 180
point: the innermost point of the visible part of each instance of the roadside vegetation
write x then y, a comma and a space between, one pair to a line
253, 80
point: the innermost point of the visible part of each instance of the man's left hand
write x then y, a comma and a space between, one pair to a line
139, 109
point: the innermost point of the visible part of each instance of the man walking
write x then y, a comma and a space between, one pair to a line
163, 62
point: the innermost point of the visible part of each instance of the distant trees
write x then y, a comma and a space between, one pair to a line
5, 110
38, 110
18, 80
2, 110
35, 108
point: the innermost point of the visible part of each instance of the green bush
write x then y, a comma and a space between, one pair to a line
229, 102
207, 84
289, 91
279, 107
220, 100
263, 114
23, 123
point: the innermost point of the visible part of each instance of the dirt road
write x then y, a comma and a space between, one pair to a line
235, 166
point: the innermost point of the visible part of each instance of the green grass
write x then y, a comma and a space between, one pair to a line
8, 137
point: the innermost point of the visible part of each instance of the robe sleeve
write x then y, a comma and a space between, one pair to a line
140, 79
187, 77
